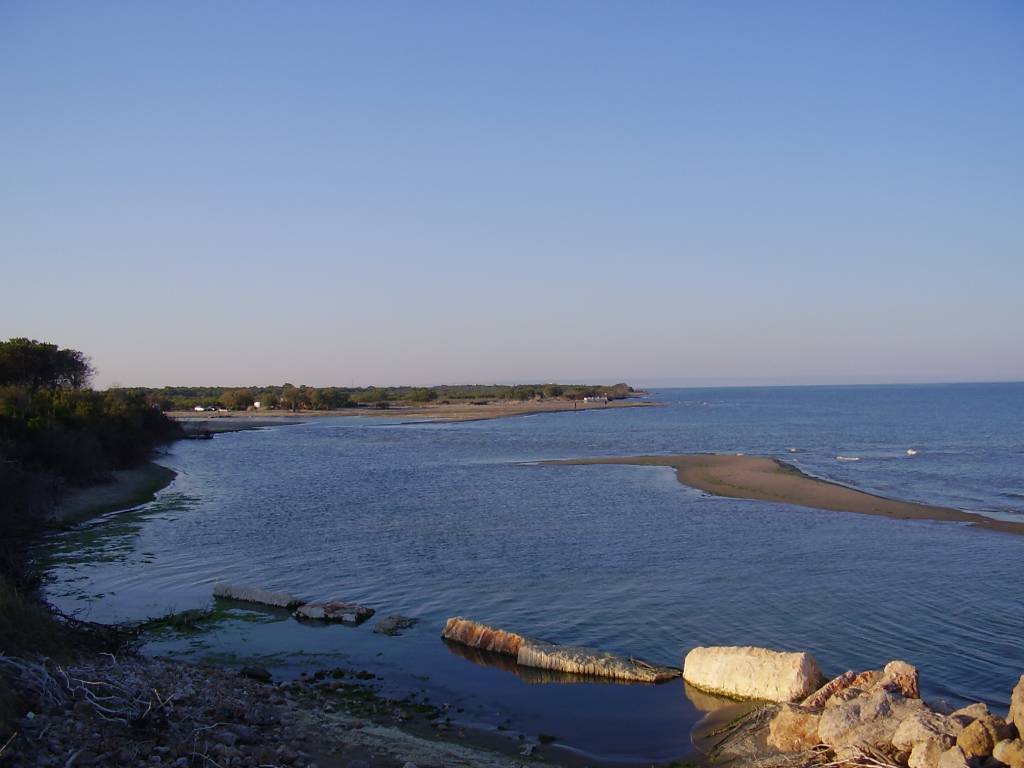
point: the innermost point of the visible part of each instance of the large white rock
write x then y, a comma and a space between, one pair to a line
254, 595
752, 673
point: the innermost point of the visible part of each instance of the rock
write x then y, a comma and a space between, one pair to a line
245, 734
793, 729
871, 718
1009, 752
587, 661
817, 699
967, 715
256, 673
979, 738
976, 740
346, 613
254, 595
953, 758
410, 765
901, 677
227, 738
357, 764
527, 750
393, 625
925, 725
1016, 715
752, 673
926, 754
538, 654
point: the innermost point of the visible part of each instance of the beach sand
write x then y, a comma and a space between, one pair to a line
767, 479
441, 412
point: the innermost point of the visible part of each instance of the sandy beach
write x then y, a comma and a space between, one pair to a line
767, 479
443, 412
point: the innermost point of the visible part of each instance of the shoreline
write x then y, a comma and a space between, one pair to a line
764, 478
129, 488
440, 413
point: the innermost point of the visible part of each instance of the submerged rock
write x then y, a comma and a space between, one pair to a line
255, 595
393, 625
752, 673
346, 613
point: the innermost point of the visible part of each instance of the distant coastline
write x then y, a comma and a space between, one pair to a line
767, 479
437, 412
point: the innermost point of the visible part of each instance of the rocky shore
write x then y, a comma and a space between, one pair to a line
874, 719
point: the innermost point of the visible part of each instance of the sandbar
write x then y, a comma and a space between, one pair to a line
767, 479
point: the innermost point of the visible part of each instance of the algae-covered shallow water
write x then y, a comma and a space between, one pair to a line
433, 520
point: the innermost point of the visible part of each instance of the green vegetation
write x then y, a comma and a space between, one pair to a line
54, 433
303, 398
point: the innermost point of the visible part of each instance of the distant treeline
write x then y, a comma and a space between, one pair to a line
55, 433
290, 397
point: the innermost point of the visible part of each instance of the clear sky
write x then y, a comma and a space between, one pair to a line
427, 192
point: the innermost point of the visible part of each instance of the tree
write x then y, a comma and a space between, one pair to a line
38, 365
236, 399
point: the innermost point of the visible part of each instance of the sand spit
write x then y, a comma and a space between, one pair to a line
767, 479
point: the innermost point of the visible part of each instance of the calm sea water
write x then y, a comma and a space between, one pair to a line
436, 520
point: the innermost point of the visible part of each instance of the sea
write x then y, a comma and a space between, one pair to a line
434, 520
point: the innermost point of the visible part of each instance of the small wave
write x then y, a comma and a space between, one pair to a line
794, 450
912, 451
847, 458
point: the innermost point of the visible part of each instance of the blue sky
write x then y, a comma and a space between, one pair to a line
658, 192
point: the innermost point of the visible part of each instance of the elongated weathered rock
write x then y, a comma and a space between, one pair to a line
346, 613
586, 661
477, 635
529, 652
255, 595
752, 673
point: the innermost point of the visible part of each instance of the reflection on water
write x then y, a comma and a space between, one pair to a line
704, 701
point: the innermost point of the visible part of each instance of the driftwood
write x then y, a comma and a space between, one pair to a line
539, 654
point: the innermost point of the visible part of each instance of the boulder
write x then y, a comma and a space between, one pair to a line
752, 673
926, 754
347, 613
1016, 715
1009, 752
870, 719
980, 736
901, 677
967, 715
255, 595
817, 699
793, 729
925, 725
953, 758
